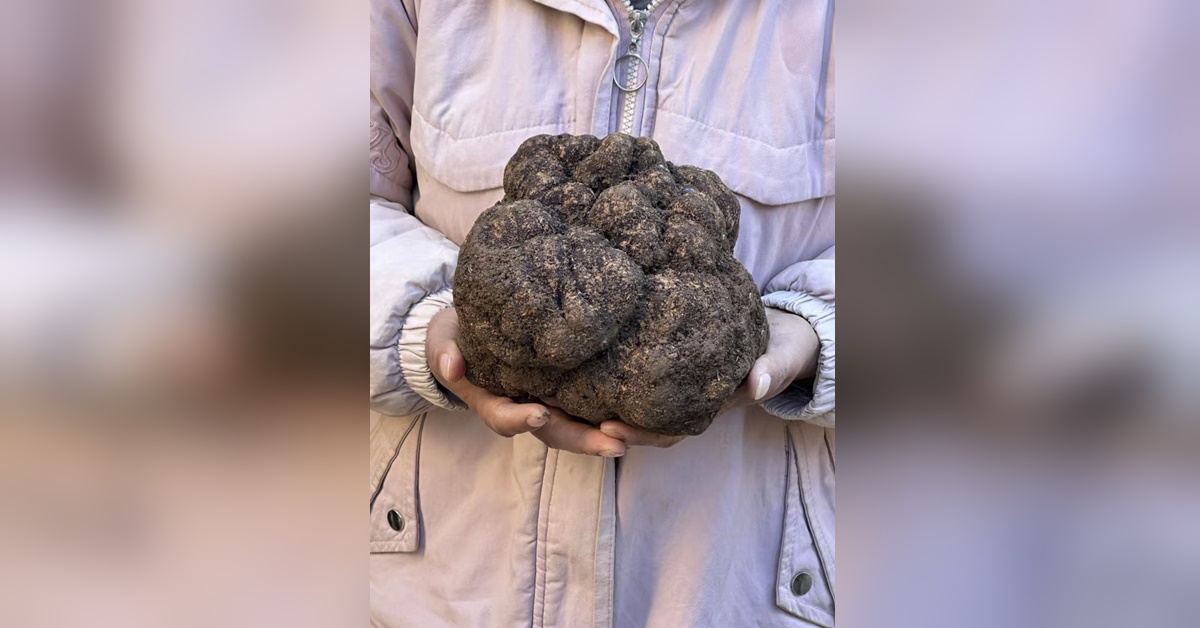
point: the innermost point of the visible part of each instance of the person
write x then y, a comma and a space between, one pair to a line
486, 511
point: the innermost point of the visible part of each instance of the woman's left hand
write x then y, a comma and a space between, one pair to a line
791, 355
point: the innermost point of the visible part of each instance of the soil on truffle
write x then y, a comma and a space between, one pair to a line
605, 278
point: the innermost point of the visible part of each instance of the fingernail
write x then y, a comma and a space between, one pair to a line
538, 420
611, 454
764, 384
445, 365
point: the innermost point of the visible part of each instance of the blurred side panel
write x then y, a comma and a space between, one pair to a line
181, 278
1020, 291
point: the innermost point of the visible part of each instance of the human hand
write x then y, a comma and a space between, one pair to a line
634, 436
503, 415
631, 435
791, 354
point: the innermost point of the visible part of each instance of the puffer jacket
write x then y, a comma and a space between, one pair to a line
730, 528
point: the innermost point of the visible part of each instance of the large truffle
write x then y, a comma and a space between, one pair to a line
605, 278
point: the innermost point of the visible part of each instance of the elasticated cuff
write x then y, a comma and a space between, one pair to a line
413, 363
801, 402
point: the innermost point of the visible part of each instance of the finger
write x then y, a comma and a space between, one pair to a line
764, 380
450, 365
441, 348
637, 437
503, 415
563, 432
746, 391
507, 417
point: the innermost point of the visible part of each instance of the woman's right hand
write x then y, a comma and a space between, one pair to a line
505, 416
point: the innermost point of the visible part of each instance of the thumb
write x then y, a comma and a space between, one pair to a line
448, 364
762, 380
441, 348
757, 385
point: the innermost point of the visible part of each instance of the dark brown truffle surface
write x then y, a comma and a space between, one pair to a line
605, 278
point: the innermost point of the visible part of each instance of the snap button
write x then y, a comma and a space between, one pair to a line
396, 520
801, 583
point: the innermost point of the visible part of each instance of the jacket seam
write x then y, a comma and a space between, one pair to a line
440, 131
789, 523
395, 454
744, 137
804, 487
543, 553
829, 450
537, 542
813, 524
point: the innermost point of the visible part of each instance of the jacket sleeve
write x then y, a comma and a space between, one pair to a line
412, 265
807, 289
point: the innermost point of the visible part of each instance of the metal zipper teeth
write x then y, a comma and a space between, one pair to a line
632, 70
630, 104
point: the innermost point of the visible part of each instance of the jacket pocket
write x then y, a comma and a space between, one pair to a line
395, 501
761, 172
804, 585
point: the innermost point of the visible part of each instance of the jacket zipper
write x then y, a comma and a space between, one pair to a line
636, 69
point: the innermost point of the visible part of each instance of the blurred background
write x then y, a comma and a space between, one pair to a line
182, 274
182, 277
1019, 311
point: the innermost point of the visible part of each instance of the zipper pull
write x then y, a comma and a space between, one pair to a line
632, 59
637, 25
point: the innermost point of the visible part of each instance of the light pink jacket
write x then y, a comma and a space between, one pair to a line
730, 528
